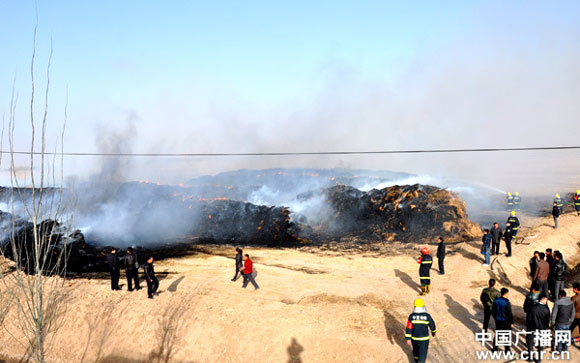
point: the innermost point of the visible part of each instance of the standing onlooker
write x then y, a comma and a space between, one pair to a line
508, 235
486, 246
132, 269
441, 255
502, 314
555, 214
550, 260
487, 297
239, 264
563, 314
576, 300
537, 318
559, 272
248, 269
531, 297
496, 234
549, 257
113, 262
542, 273
534, 264
152, 282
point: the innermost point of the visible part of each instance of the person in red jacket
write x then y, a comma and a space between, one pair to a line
247, 271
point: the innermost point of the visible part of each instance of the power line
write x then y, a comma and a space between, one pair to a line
299, 153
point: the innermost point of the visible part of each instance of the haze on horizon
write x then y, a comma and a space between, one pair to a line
226, 76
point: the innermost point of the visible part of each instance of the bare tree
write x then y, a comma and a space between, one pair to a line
36, 229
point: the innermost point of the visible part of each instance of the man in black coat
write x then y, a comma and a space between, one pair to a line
556, 214
508, 235
559, 268
132, 269
534, 264
113, 262
239, 264
152, 282
496, 234
441, 255
550, 260
538, 318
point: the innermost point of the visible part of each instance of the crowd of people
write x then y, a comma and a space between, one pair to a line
565, 314
131, 264
492, 238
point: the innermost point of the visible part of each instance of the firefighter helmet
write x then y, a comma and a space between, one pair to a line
517, 193
578, 191
557, 195
513, 213
509, 194
425, 250
419, 303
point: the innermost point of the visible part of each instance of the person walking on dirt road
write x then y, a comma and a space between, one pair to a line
239, 264
248, 271
417, 331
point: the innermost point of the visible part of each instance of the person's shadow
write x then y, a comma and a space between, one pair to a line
294, 351
408, 280
174, 284
395, 331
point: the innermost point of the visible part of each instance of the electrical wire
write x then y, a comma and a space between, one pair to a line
298, 153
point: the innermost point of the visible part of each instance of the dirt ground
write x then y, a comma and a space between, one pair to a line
312, 307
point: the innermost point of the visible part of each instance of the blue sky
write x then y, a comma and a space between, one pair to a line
227, 76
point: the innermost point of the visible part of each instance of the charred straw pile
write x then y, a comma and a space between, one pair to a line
242, 222
404, 213
415, 213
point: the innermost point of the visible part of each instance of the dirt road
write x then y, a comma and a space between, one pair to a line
310, 308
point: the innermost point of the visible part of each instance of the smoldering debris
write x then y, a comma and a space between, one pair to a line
316, 209
409, 213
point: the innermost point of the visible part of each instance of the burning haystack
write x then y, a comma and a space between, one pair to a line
412, 213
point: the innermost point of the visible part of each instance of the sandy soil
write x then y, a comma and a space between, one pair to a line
311, 307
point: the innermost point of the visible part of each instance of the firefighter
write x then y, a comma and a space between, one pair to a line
514, 223
425, 262
510, 202
517, 201
559, 203
577, 201
417, 331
